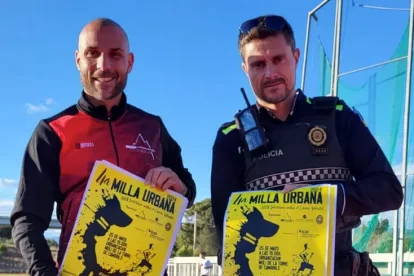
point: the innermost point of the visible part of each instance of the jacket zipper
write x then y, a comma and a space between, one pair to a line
113, 141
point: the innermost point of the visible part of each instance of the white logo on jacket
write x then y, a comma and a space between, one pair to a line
141, 145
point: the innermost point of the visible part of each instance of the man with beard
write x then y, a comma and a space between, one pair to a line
102, 126
309, 141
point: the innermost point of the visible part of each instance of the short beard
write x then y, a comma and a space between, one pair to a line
275, 98
277, 91
102, 96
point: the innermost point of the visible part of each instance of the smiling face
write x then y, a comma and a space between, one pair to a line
270, 64
104, 60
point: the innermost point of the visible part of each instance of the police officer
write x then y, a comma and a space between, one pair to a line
310, 141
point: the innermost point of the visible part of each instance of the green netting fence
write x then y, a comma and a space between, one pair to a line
380, 100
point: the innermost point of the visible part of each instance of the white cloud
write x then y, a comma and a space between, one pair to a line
6, 206
6, 182
31, 108
49, 101
42, 107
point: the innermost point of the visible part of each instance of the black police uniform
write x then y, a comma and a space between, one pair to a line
321, 141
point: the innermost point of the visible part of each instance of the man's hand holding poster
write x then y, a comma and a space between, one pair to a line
124, 227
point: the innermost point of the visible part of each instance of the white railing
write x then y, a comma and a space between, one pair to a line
187, 266
5, 221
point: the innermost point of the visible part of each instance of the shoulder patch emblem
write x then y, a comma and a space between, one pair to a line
359, 115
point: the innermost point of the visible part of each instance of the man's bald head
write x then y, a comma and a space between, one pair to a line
104, 59
99, 23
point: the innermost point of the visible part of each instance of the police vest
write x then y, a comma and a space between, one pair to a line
304, 152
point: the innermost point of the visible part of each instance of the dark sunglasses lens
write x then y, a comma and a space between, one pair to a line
274, 22
248, 25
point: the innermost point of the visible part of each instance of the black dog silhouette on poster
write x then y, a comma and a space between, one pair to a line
251, 231
107, 215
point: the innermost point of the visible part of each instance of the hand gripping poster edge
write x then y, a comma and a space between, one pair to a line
177, 225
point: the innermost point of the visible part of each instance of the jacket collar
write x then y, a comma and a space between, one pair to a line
100, 112
298, 100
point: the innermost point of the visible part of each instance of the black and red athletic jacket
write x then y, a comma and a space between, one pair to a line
58, 161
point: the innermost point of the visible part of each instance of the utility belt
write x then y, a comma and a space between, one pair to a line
354, 263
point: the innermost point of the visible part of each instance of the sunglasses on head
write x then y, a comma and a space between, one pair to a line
272, 22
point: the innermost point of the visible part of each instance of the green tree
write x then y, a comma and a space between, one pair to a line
363, 228
3, 249
407, 242
385, 246
381, 239
206, 237
52, 243
185, 236
382, 227
185, 251
5, 232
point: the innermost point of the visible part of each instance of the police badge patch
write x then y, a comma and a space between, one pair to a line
317, 136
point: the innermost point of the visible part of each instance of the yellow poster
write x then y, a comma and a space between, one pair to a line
332, 232
275, 233
124, 227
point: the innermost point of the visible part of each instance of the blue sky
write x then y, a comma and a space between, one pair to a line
187, 68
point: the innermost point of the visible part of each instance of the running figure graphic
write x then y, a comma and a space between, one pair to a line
305, 255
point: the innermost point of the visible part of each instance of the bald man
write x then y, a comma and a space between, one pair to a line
100, 126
